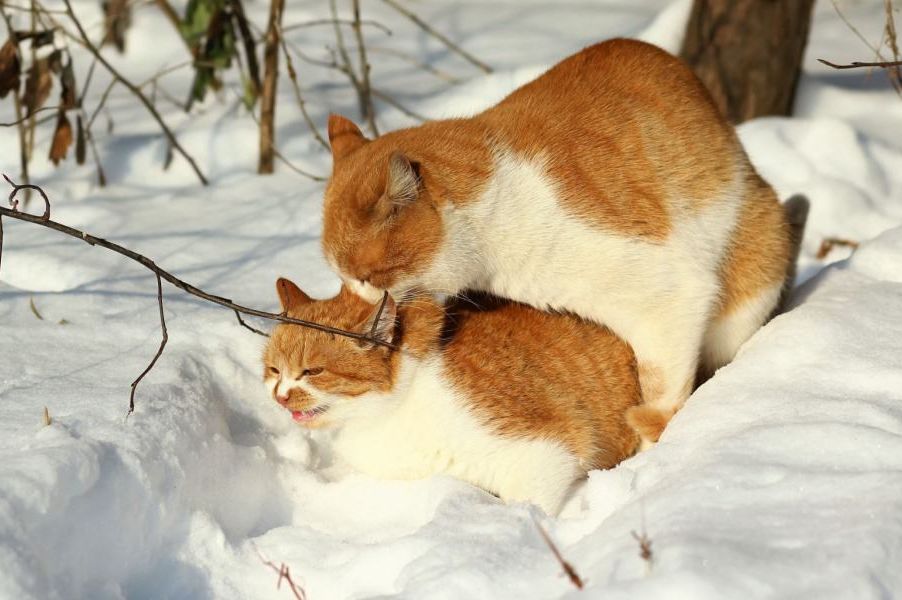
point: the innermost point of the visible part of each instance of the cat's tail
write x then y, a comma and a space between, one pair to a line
796, 212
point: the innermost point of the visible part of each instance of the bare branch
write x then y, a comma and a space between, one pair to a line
179, 283
886, 64
366, 95
568, 569
246, 326
390, 100
443, 75
131, 397
270, 83
447, 42
284, 574
292, 75
645, 552
17, 187
23, 118
134, 90
282, 157
365, 22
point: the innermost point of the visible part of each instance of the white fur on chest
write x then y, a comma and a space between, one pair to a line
430, 430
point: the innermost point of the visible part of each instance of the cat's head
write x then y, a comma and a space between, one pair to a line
318, 376
325, 378
382, 223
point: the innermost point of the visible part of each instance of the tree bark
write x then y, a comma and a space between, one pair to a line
748, 53
270, 80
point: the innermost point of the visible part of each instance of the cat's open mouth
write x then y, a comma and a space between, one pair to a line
305, 416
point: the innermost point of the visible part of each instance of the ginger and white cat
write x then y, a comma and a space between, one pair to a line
609, 187
519, 402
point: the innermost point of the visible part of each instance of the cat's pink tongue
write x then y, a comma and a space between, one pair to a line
302, 415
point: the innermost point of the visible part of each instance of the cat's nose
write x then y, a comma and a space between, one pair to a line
282, 399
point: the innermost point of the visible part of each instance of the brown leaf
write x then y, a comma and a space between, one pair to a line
79, 141
55, 60
37, 86
9, 69
67, 81
62, 139
117, 19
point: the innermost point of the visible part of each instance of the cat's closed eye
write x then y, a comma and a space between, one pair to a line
311, 372
272, 370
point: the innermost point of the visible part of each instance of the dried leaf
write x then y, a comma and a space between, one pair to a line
47, 420
79, 141
10, 68
55, 60
250, 46
37, 86
67, 81
62, 139
38, 38
117, 20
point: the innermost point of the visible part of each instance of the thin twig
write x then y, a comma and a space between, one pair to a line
292, 75
17, 187
131, 397
270, 85
389, 100
134, 90
568, 569
278, 154
179, 283
645, 552
365, 22
885, 64
284, 574
24, 118
447, 42
365, 89
246, 326
443, 75
34, 309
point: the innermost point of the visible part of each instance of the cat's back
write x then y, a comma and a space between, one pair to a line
627, 131
536, 374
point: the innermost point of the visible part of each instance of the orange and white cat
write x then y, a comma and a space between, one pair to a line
519, 402
609, 187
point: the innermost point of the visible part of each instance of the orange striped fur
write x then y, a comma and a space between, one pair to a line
520, 375
610, 187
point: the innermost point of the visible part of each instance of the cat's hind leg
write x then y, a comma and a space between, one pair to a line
755, 273
666, 343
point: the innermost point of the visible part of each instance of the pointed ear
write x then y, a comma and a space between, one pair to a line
290, 295
403, 182
383, 320
344, 136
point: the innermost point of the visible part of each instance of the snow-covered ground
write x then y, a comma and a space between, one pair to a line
782, 477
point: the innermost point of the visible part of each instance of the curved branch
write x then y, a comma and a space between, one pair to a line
183, 285
131, 397
17, 187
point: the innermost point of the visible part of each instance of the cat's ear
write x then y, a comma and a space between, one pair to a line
290, 295
403, 182
382, 321
344, 136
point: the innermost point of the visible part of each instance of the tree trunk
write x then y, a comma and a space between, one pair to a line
268, 97
748, 53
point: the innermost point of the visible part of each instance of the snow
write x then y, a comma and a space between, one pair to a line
782, 477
